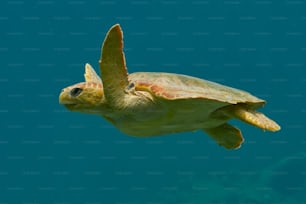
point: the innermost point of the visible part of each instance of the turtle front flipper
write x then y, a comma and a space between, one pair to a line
112, 66
226, 135
90, 74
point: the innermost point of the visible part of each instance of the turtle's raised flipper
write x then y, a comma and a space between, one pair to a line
226, 136
253, 117
90, 74
112, 66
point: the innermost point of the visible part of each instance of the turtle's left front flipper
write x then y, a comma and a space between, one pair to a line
112, 66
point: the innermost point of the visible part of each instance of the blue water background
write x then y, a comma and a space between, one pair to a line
50, 155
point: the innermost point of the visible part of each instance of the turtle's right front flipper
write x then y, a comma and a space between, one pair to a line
112, 66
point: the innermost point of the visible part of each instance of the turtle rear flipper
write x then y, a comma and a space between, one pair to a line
226, 135
252, 117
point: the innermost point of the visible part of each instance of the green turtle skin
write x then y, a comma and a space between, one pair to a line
147, 104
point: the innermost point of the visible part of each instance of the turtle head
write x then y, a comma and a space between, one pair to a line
86, 97
82, 97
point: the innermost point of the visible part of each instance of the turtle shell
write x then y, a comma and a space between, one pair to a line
176, 86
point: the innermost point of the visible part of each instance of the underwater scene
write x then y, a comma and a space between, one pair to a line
49, 154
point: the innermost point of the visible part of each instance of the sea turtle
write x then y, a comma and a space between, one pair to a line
151, 103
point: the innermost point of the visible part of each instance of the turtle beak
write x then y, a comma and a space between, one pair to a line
61, 98
64, 98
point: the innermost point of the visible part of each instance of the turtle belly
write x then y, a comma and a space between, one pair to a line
171, 117
154, 128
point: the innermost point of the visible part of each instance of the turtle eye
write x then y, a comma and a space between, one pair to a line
130, 86
75, 92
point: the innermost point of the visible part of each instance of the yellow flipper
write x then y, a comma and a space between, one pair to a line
255, 118
90, 74
112, 66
